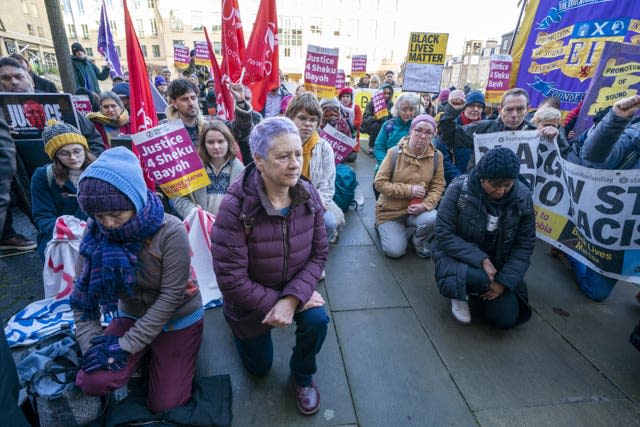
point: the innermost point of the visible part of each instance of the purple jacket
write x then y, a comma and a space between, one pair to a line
261, 256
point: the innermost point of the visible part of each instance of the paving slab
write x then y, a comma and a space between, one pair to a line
615, 413
354, 232
529, 365
270, 400
358, 278
396, 376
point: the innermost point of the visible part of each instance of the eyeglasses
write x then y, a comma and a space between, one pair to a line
67, 154
427, 132
307, 119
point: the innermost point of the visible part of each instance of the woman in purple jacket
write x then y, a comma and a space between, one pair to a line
269, 250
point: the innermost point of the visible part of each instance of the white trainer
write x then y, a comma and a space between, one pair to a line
460, 311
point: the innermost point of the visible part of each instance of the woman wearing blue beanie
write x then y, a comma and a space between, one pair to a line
134, 268
485, 234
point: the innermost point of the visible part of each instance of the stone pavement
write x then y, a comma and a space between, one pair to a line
394, 356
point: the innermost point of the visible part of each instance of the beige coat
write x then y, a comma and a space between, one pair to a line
395, 190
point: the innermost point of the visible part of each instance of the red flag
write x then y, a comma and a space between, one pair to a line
232, 40
261, 57
223, 98
143, 113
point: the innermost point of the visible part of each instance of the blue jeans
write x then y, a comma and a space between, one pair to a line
311, 329
594, 285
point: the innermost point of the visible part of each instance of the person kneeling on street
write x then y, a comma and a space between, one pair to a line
485, 235
134, 267
410, 181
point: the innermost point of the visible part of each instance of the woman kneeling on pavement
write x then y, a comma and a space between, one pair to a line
54, 186
134, 267
485, 235
410, 181
269, 248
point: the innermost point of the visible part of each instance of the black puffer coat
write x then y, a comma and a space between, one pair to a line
461, 231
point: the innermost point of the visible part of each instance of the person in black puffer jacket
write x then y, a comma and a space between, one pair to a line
485, 235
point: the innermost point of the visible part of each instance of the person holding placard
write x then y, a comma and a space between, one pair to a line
318, 163
269, 249
484, 238
216, 147
136, 266
410, 182
372, 122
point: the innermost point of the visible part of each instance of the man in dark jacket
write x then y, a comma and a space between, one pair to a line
511, 116
39, 83
370, 124
87, 74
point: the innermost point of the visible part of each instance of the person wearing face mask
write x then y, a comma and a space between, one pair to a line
216, 147
457, 159
484, 238
410, 181
112, 119
135, 265
54, 187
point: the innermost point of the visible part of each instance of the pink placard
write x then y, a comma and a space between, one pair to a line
81, 104
359, 64
379, 105
341, 80
342, 145
181, 56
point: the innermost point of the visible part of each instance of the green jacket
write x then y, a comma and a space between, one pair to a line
87, 74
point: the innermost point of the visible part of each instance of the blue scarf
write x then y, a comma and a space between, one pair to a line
111, 259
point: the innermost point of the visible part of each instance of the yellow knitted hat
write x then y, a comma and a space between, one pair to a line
58, 134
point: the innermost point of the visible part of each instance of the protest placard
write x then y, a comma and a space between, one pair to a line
592, 215
180, 56
425, 61
171, 158
320, 71
379, 105
81, 104
202, 54
617, 77
499, 75
27, 115
340, 79
358, 67
342, 145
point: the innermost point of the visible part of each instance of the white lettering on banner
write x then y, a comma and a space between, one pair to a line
591, 214
171, 172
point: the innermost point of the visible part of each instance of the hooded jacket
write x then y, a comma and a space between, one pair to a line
461, 233
261, 256
87, 74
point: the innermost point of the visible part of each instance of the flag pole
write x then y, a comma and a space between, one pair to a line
515, 31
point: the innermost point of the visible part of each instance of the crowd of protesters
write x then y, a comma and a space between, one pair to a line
273, 181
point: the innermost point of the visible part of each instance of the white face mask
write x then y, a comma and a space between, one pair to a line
492, 222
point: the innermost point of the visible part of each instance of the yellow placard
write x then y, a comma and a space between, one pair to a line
548, 223
186, 184
427, 48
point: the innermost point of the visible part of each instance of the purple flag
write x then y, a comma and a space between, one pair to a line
106, 46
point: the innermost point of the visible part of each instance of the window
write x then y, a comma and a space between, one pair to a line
80, 4
140, 27
196, 21
290, 35
25, 7
178, 42
336, 31
154, 26
287, 52
30, 29
89, 51
144, 50
217, 47
71, 29
114, 28
66, 6
217, 27
175, 22
2, 27
151, 4
40, 32
316, 25
34, 10
85, 31
136, 4
156, 50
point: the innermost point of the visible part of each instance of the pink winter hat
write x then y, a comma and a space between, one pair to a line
444, 95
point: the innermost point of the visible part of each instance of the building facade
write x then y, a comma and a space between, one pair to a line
472, 66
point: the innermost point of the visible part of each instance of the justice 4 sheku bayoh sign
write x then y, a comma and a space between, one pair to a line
171, 158
560, 42
320, 71
426, 55
592, 215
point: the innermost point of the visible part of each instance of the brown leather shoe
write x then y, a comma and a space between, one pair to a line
308, 399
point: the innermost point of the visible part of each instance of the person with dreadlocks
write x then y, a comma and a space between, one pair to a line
133, 267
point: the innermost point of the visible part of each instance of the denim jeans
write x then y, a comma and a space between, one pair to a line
594, 285
311, 329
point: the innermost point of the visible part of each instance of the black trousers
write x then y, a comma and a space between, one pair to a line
502, 312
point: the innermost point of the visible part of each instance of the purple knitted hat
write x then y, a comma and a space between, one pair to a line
96, 195
423, 118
